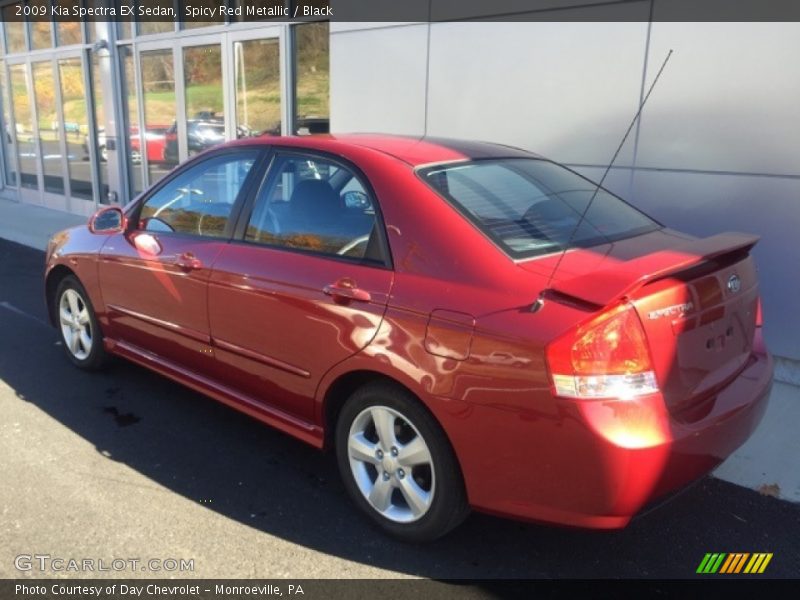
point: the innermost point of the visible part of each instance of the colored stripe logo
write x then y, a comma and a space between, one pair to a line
734, 563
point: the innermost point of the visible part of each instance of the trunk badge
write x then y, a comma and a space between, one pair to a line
734, 283
676, 310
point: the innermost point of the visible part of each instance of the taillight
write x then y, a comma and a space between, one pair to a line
759, 315
607, 357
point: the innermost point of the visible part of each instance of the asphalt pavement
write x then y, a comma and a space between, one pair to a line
125, 464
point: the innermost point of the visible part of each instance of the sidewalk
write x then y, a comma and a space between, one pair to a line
768, 462
32, 225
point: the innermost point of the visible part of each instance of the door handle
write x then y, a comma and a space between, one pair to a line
346, 290
188, 261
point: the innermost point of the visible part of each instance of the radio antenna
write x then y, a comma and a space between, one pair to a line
540, 300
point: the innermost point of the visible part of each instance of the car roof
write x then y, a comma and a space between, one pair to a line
414, 151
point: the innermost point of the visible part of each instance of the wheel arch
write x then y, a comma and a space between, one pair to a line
52, 281
343, 386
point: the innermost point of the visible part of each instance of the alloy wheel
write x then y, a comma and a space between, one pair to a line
391, 464
76, 324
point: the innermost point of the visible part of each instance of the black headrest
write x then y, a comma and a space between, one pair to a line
315, 201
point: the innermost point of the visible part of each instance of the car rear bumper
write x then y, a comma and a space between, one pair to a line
595, 464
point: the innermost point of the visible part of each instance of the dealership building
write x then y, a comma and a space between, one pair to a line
95, 112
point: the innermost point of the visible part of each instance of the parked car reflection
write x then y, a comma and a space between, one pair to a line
201, 135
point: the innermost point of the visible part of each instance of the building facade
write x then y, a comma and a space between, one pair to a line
95, 112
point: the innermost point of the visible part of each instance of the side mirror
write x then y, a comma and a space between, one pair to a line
108, 220
356, 199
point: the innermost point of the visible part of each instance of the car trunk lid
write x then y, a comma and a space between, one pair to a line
697, 302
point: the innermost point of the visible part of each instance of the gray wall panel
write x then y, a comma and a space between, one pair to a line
566, 90
728, 100
378, 79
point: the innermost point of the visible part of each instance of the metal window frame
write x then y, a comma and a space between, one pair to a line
35, 196
273, 32
12, 145
223, 35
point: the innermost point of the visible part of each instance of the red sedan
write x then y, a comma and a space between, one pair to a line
466, 325
155, 138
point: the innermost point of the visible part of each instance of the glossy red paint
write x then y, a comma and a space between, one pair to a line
265, 331
155, 140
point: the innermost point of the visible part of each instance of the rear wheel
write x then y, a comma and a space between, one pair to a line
77, 324
397, 465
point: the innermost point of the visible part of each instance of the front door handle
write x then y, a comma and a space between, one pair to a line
346, 290
188, 261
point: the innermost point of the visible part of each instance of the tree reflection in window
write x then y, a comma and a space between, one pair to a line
199, 201
306, 206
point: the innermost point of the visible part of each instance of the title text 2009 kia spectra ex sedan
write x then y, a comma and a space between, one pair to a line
465, 324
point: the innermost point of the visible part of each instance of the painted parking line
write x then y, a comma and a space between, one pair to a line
22, 313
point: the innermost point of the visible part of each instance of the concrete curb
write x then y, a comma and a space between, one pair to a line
33, 225
787, 371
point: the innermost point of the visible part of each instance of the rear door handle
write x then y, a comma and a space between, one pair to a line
346, 289
188, 261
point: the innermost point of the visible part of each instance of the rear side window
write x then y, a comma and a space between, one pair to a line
530, 206
316, 205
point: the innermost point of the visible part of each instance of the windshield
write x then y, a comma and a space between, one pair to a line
531, 206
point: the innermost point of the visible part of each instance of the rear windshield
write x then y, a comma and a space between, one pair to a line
531, 206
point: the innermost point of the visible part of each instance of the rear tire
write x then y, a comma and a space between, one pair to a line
77, 325
397, 464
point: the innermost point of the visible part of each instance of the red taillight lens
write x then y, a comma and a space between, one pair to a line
615, 345
607, 357
759, 315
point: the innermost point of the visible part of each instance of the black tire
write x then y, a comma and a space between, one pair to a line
448, 500
97, 357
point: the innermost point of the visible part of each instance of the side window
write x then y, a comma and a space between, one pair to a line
310, 203
199, 200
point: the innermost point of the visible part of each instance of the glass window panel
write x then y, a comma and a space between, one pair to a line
315, 205
125, 29
90, 26
131, 134
258, 87
15, 30
23, 126
199, 201
10, 171
100, 119
41, 26
204, 8
312, 67
158, 88
68, 32
205, 120
76, 127
156, 24
532, 206
49, 127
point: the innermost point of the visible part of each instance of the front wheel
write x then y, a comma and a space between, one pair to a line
397, 464
77, 323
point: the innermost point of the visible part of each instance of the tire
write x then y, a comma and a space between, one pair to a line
77, 325
397, 464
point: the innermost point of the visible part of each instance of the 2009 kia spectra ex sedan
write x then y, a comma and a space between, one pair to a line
466, 324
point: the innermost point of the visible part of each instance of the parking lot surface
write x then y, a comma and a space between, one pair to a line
125, 464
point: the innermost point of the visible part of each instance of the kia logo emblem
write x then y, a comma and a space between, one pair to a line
734, 284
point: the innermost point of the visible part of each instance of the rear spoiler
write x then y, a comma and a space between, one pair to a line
606, 285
